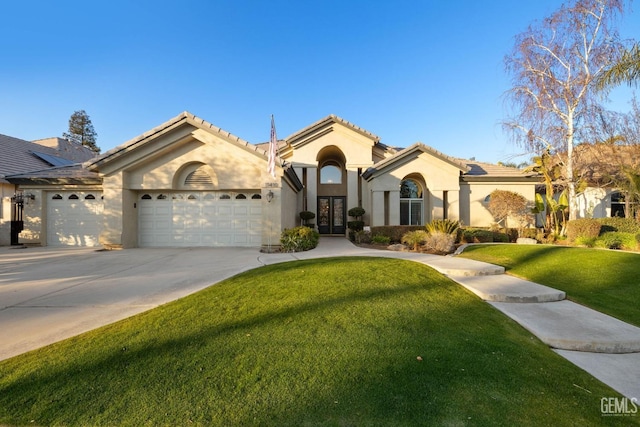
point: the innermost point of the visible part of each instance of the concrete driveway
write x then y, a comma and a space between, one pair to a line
49, 294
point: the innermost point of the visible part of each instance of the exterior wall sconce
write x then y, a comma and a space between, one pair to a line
22, 198
269, 196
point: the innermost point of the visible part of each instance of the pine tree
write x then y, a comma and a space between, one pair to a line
81, 131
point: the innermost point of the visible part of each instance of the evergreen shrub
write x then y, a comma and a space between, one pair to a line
625, 225
477, 235
299, 239
584, 227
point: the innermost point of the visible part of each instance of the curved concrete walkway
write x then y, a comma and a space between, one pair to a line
49, 294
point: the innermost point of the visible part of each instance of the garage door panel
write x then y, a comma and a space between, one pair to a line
74, 218
199, 219
225, 210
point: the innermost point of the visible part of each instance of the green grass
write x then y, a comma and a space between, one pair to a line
320, 342
607, 281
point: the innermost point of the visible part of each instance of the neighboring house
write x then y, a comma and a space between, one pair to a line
190, 183
601, 174
20, 156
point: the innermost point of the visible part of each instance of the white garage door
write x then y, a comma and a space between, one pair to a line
207, 218
74, 218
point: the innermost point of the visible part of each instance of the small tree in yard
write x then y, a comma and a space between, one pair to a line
81, 131
505, 204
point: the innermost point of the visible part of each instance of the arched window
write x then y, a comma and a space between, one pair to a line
146, 197
56, 197
241, 197
330, 174
256, 196
411, 203
73, 197
89, 197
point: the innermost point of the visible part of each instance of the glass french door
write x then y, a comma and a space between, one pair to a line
331, 215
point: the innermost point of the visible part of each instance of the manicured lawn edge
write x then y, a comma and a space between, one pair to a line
336, 341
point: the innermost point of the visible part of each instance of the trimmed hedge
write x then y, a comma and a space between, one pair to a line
477, 235
624, 225
584, 227
394, 232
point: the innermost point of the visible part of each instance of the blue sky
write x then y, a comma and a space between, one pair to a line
408, 71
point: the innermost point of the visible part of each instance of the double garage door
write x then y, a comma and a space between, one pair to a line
164, 219
207, 218
74, 218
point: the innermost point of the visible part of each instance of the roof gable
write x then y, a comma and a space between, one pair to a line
182, 127
324, 126
404, 156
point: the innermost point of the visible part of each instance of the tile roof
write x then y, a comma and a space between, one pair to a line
19, 156
480, 169
132, 144
415, 148
331, 118
68, 174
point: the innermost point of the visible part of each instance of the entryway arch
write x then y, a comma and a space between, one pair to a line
332, 191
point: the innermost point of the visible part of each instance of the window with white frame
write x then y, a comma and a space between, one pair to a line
411, 203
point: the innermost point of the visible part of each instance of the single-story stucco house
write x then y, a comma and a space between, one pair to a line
190, 183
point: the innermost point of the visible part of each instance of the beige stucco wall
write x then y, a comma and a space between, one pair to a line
439, 176
473, 208
356, 147
594, 203
231, 168
6, 191
353, 146
35, 214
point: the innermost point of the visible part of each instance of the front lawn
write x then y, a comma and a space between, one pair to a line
339, 341
605, 280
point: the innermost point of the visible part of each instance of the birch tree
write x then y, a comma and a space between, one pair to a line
553, 66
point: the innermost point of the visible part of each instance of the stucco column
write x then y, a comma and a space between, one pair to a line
111, 235
377, 206
453, 210
352, 189
312, 191
436, 203
35, 219
271, 217
394, 207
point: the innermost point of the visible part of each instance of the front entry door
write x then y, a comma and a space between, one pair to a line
331, 215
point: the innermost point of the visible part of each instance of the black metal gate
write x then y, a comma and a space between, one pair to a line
17, 224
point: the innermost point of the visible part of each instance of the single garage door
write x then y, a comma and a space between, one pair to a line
210, 218
74, 218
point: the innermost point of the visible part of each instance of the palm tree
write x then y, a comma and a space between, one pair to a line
625, 70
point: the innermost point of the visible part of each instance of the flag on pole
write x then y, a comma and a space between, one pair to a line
273, 150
